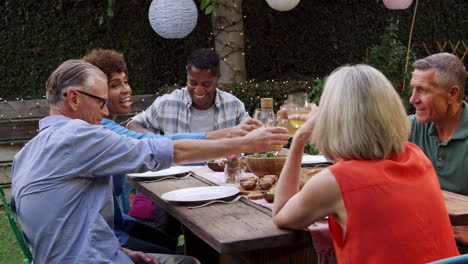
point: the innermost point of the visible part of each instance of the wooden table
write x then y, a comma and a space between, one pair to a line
457, 207
242, 232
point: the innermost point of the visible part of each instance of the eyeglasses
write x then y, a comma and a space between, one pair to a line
104, 102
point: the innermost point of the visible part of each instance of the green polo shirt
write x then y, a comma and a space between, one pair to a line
450, 158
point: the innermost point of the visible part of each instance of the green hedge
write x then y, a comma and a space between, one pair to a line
308, 41
251, 91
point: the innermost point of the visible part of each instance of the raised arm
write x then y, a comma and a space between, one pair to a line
237, 131
138, 127
259, 140
321, 196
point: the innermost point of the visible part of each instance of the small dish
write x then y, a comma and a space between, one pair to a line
269, 197
214, 166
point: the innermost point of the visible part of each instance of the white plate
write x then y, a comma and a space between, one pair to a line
162, 173
200, 194
314, 159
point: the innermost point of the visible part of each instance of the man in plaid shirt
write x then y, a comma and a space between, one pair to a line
198, 107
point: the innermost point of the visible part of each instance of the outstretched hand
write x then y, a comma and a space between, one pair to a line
139, 257
303, 133
245, 127
461, 234
266, 139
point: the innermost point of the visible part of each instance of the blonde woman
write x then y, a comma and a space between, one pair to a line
382, 196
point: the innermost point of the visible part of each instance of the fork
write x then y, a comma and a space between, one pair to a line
217, 201
170, 177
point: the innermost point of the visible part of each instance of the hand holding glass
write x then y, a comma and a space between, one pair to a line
297, 105
268, 118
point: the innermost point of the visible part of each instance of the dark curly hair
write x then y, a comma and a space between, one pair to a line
108, 60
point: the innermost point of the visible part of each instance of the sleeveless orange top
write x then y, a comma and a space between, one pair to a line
396, 212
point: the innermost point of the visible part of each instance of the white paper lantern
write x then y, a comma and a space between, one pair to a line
173, 18
397, 4
282, 5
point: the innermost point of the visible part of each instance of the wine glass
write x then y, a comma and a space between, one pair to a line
297, 105
284, 122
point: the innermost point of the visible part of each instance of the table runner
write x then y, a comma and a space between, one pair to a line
320, 234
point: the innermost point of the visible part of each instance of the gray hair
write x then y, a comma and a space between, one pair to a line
449, 70
71, 73
360, 116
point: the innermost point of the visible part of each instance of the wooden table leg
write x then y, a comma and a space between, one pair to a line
300, 254
197, 248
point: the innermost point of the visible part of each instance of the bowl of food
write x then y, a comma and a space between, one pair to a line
214, 165
265, 164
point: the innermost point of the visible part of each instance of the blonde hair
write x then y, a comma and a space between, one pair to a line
360, 116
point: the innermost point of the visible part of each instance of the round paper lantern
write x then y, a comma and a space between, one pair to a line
397, 4
282, 5
173, 18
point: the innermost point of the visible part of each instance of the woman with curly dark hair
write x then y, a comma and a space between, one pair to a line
132, 233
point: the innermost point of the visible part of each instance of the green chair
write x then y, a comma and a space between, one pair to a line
16, 229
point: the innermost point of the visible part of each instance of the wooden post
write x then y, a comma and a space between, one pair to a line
228, 31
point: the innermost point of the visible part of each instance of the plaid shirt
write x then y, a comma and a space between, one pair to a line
171, 113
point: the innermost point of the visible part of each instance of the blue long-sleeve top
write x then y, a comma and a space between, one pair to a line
119, 180
113, 126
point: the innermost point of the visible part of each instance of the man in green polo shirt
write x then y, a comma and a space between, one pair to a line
440, 125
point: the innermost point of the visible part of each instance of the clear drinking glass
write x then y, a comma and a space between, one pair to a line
296, 105
284, 122
266, 117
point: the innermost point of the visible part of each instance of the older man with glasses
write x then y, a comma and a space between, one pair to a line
60, 179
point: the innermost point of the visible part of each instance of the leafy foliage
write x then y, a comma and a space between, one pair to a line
295, 45
310, 149
316, 90
390, 58
250, 92
208, 6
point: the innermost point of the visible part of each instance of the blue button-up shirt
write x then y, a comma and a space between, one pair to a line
63, 192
